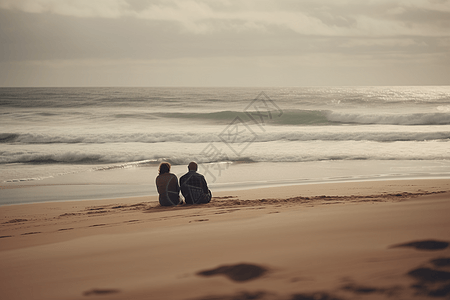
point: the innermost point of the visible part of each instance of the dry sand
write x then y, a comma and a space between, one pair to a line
360, 240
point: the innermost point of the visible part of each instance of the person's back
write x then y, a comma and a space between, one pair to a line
194, 187
167, 185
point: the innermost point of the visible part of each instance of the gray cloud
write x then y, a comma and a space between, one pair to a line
338, 17
184, 42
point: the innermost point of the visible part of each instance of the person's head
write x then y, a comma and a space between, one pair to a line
164, 168
192, 166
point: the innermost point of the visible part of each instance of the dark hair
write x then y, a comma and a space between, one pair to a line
192, 166
164, 168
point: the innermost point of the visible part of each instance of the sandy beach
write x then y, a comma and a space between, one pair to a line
353, 240
322, 129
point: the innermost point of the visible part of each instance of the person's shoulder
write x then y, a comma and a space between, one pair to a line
165, 175
158, 178
198, 175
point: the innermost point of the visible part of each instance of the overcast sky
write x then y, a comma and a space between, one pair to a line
224, 42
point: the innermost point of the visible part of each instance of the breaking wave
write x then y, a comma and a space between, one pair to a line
320, 117
390, 119
195, 137
123, 160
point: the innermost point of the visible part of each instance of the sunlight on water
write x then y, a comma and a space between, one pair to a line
54, 132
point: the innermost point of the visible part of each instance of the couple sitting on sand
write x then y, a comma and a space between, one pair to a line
193, 186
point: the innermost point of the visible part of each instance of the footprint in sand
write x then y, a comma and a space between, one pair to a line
240, 272
427, 245
432, 282
429, 275
366, 290
64, 229
441, 262
264, 295
200, 220
94, 292
259, 295
97, 225
28, 233
15, 221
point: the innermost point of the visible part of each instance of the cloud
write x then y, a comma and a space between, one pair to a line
324, 18
434, 5
383, 42
79, 8
223, 42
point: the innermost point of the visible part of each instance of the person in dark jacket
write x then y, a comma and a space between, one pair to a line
194, 187
167, 185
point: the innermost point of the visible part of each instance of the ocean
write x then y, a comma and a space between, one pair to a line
88, 143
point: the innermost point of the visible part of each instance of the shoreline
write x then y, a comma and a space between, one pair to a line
297, 187
335, 240
79, 187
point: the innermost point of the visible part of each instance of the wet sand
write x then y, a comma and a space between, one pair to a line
354, 240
